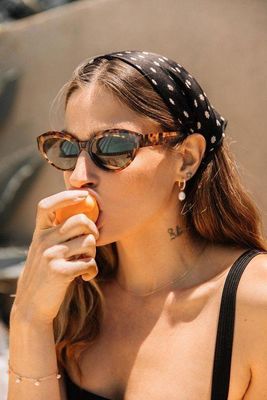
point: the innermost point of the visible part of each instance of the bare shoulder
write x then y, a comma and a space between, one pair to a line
252, 324
253, 285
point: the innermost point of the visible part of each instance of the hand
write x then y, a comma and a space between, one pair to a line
53, 258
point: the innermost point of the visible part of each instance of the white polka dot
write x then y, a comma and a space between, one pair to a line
207, 114
119, 54
209, 108
161, 59
180, 121
173, 69
198, 125
212, 149
91, 61
188, 84
128, 52
213, 139
195, 103
218, 123
204, 94
132, 58
171, 77
183, 92
190, 76
139, 66
201, 97
145, 52
222, 119
153, 69
191, 130
178, 69
179, 65
165, 58
171, 101
186, 114
170, 87
155, 82
156, 63
140, 56
223, 135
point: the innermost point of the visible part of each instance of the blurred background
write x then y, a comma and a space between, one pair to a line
221, 42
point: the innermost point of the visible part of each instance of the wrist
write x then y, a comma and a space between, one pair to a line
20, 319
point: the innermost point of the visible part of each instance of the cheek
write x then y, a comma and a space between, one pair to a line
143, 187
133, 196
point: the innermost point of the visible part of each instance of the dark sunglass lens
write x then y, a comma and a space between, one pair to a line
62, 153
114, 150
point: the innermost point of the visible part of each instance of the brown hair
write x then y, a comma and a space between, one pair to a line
218, 208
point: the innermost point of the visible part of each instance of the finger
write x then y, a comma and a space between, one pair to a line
73, 249
84, 245
75, 225
47, 206
72, 269
91, 274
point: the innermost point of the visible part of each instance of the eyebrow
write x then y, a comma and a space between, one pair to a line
73, 134
112, 126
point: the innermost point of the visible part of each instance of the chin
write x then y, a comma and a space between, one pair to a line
108, 237
104, 239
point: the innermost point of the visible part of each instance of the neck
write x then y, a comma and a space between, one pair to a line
157, 255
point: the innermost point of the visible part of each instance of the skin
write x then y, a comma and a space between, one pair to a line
142, 215
148, 216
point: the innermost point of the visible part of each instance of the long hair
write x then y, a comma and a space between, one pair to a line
217, 208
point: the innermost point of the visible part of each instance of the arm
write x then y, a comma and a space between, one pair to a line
42, 285
256, 330
32, 353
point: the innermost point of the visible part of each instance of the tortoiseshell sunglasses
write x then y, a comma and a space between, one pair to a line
111, 150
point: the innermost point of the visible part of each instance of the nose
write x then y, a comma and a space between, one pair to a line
84, 172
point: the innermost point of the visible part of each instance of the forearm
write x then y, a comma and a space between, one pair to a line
32, 354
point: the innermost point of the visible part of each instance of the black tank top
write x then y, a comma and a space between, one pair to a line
224, 338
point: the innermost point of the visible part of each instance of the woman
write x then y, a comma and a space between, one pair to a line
129, 307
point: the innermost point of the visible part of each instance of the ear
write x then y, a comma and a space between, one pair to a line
191, 151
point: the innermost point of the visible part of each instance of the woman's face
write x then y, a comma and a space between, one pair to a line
133, 197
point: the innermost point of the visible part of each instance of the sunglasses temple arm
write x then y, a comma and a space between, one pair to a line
152, 139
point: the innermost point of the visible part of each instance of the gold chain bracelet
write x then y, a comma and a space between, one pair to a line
36, 381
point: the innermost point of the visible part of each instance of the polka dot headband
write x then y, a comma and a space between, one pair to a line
183, 96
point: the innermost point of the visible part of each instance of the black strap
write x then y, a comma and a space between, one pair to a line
225, 332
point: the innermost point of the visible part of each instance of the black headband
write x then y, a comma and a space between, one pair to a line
183, 96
